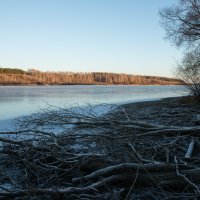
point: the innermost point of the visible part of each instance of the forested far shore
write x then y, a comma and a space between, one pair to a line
10, 76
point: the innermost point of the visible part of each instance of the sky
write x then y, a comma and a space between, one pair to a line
120, 36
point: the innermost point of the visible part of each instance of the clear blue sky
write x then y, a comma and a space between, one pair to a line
122, 36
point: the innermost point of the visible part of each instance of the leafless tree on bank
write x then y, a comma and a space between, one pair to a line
189, 71
182, 22
182, 25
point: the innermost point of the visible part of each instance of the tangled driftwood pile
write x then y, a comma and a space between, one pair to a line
112, 156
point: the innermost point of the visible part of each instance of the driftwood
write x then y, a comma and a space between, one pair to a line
110, 156
190, 149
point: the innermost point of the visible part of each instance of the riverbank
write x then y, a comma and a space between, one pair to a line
137, 150
174, 111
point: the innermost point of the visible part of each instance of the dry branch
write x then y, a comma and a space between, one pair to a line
190, 149
99, 157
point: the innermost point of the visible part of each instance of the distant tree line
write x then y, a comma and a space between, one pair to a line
11, 71
98, 78
16, 76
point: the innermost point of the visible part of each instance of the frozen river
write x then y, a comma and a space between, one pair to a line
16, 101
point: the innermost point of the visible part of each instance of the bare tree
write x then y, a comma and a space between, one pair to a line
182, 25
189, 71
182, 22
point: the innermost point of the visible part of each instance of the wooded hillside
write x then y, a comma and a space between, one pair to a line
20, 77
